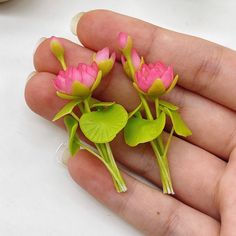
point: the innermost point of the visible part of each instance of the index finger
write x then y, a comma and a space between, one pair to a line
204, 67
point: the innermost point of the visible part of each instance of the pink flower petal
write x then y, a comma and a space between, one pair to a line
123, 60
162, 67
122, 39
147, 74
136, 60
113, 56
102, 55
167, 77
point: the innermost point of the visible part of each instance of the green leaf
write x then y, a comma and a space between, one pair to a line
157, 88
97, 81
174, 82
102, 126
139, 130
179, 125
135, 110
92, 101
71, 126
80, 90
102, 104
66, 96
67, 109
168, 105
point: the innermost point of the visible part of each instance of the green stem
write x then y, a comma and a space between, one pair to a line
150, 117
131, 67
106, 154
113, 174
167, 147
168, 142
159, 138
146, 107
107, 158
158, 148
157, 107
86, 105
62, 61
80, 105
164, 171
75, 116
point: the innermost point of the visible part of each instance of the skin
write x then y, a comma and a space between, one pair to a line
202, 166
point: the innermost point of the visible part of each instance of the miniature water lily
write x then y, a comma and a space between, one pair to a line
78, 81
155, 79
99, 122
151, 81
104, 60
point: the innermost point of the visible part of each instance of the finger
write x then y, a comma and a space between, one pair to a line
201, 168
227, 198
202, 115
204, 67
145, 208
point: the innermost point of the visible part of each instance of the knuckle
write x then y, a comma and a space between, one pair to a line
171, 225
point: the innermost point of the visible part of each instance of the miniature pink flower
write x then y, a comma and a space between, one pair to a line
104, 61
156, 77
77, 81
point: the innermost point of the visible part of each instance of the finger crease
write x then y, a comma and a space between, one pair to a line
230, 145
152, 39
208, 71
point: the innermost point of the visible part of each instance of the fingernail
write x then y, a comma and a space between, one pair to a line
38, 43
74, 22
31, 75
63, 154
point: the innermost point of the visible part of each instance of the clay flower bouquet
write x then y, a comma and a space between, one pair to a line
100, 122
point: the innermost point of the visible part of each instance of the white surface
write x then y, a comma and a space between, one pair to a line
37, 196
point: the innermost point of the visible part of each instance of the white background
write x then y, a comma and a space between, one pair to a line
37, 196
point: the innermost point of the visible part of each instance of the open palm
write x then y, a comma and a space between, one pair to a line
203, 166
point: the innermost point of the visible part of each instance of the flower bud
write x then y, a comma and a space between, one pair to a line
58, 51
125, 43
104, 61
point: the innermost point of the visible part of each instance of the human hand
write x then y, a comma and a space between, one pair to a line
202, 166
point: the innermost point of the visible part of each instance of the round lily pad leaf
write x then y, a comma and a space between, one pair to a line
139, 130
102, 126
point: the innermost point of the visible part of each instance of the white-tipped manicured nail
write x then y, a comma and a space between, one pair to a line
38, 43
74, 22
31, 75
